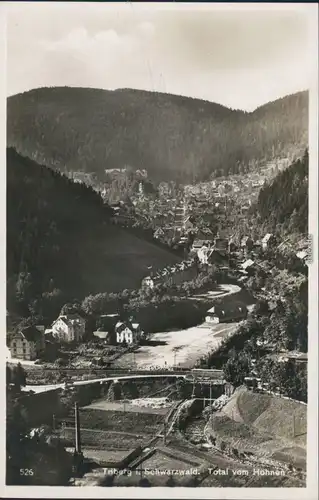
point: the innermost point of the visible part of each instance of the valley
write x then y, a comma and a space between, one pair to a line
167, 302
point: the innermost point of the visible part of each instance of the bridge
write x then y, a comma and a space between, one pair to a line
217, 377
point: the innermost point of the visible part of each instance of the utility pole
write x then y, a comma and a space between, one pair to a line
210, 396
194, 387
77, 429
53, 422
165, 430
78, 456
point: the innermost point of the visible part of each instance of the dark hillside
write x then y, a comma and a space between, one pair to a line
173, 137
60, 242
285, 201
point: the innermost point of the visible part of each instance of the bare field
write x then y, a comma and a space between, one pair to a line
108, 455
181, 347
141, 423
105, 440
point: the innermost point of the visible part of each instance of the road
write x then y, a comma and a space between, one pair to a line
221, 291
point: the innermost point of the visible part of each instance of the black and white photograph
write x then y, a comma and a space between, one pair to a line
160, 283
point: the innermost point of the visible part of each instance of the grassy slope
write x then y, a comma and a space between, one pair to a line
262, 424
171, 136
61, 230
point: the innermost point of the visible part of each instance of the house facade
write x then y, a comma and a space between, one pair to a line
267, 241
28, 343
221, 244
68, 328
128, 333
209, 256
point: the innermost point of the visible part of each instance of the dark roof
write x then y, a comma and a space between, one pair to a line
31, 333
216, 255
74, 316
221, 240
227, 309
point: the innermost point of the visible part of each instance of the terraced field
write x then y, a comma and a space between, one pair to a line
265, 425
142, 423
103, 439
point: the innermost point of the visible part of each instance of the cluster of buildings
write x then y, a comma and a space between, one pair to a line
31, 342
80, 177
174, 275
116, 331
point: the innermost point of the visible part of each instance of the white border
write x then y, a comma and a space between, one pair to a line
310, 492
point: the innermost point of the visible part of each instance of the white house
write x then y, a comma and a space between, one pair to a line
302, 255
126, 332
247, 264
202, 254
267, 240
147, 282
69, 328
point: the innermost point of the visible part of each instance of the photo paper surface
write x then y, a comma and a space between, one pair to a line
160, 276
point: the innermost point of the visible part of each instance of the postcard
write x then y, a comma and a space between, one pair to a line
160, 260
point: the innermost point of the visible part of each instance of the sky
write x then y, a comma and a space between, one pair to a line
241, 58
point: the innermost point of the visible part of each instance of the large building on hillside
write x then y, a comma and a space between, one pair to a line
68, 328
28, 343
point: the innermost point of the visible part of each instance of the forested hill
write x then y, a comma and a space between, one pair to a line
170, 136
285, 201
61, 244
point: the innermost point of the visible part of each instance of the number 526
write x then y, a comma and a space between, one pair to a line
26, 472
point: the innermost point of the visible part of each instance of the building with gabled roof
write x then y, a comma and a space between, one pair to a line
68, 328
27, 343
267, 240
247, 264
128, 332
226, 313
